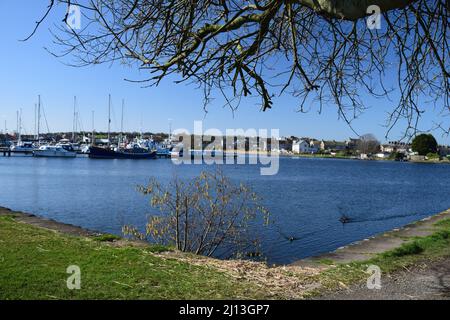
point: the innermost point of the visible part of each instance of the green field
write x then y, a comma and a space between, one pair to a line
33, 264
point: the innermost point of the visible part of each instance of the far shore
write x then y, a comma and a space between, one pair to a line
339, 157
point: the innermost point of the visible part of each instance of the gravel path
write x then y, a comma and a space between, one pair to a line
426, 281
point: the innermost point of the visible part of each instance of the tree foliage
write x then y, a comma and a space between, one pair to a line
424, 144
205, 215
320, 51
368, 144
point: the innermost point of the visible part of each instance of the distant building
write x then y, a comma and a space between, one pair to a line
333, 145
364, 156
284, 145
396, 146
315, 144
352, 144
444, 151
304, 146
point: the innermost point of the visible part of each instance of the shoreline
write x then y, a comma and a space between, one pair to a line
357, 251
49, 224
368, 248
145, 271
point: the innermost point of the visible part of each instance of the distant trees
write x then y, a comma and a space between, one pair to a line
424, 144
397, 156
205, 215
368, 144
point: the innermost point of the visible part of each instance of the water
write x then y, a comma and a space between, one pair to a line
306, 198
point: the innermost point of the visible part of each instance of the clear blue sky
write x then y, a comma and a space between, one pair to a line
28, 70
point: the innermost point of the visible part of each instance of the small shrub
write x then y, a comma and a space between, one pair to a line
203, 215
405, 250
107, 238
441, 235
432, 156
157, 248
445, 223
398, 156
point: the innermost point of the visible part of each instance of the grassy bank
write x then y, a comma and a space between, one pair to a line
423, 250
33, 264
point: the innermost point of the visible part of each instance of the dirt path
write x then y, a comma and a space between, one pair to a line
426, 281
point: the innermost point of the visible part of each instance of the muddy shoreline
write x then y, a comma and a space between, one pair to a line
49, 223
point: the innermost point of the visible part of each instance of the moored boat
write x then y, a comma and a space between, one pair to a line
54, 152
132, 153
23, 147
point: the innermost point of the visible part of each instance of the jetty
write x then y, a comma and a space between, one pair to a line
7, 152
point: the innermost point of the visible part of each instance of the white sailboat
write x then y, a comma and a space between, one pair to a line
21, 146
54, 152
50, 151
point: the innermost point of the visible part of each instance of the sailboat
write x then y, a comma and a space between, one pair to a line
135, 152
21, 146
49, 151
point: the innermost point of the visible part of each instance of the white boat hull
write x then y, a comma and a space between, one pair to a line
54, 154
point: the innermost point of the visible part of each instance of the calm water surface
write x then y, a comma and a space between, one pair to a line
306, 198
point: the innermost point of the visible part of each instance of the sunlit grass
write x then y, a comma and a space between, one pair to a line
33, 263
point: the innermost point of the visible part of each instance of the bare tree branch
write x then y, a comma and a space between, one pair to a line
320, 51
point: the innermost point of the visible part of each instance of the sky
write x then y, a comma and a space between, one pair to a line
28, 70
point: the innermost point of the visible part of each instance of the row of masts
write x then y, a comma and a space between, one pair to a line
37, 115
37, 122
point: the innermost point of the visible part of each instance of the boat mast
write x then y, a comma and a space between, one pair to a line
141, 127
109, 120
170, 130
39, 119
17, 123
35, 115
74, 124
93, 137
121, 124
20, 125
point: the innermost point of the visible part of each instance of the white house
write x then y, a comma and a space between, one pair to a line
304, 146
395, 146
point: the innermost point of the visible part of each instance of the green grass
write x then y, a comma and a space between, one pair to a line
410, 248
326, 262
417, 249
106, 238
33, 263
